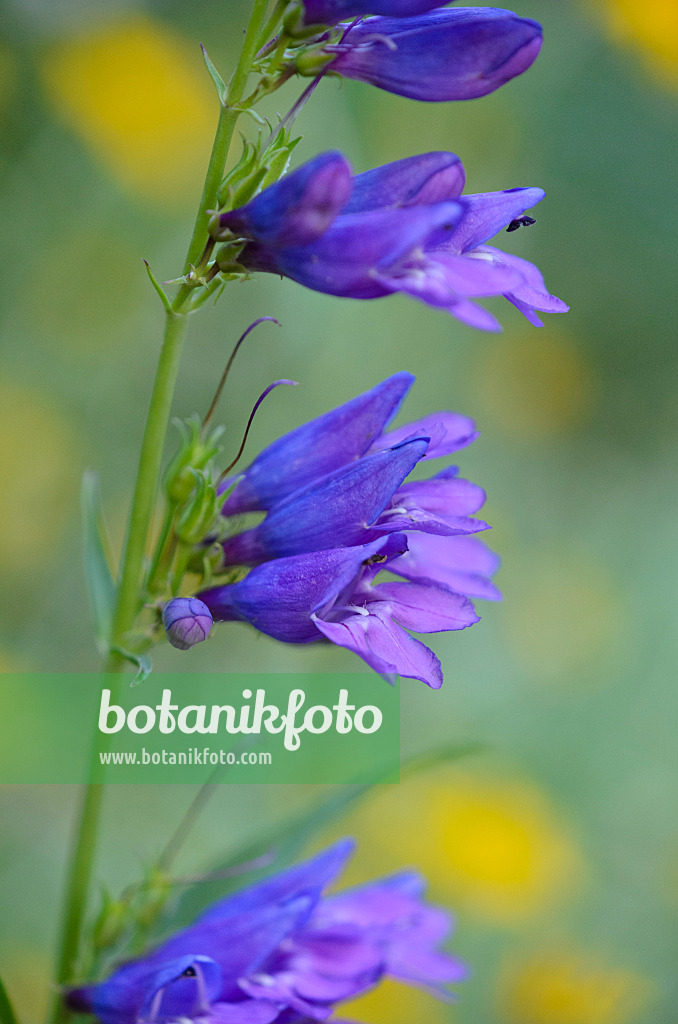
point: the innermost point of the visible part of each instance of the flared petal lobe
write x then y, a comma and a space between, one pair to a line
384, 645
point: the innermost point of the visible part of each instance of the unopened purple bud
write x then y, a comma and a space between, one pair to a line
187, 622
446, 54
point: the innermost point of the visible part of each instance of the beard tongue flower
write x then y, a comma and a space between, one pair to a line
404, 227
337, 519
281, 950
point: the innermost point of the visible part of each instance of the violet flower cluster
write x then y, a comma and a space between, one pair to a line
404, 227
282, 951
339, 510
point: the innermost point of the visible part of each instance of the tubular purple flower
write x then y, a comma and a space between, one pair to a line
349, 257
329, 12
404, 227
445, 54
187, 622
281, 950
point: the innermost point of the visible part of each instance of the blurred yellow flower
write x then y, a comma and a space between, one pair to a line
534, 385
490, 847
565, 987
652, 28
392, 1003
140, 103
38, 469
565, 616
500, 851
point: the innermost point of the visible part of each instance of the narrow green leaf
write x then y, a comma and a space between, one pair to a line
162, 294
7, 1014
142, 662
100, 585
214, 75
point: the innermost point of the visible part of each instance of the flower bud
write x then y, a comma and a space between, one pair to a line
446, 54
187, 622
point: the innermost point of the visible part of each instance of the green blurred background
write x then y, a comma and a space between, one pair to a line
557, 846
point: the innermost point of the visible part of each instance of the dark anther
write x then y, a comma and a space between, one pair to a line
520, 222
188, 973
374, 559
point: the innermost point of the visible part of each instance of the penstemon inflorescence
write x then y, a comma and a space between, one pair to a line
339, 507
404, 227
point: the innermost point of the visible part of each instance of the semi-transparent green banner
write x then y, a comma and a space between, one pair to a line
180, 728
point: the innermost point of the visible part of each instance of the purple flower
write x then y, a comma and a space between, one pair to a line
452, 270
187, 622
281, 950
404, 227
318, 552
329, 12
318, 447
333, 594
445, 54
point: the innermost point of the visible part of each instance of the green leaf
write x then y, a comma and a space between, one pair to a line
100, 585
158, 287
142, 662
289, 838
7, 1014
214, 75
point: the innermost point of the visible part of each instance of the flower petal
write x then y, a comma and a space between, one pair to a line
385, 647
347, 259
417, 180
279, 596
318, 447
531, 293
334, 510
448, 432
297, 209
461, 563
329, 12
486, 213
445, 494
442, 55
248, 1011
426, 607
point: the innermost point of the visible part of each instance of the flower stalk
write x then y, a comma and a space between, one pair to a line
129, 594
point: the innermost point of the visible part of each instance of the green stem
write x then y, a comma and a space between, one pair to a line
83, 851
80, 871
161, 545
272, 23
